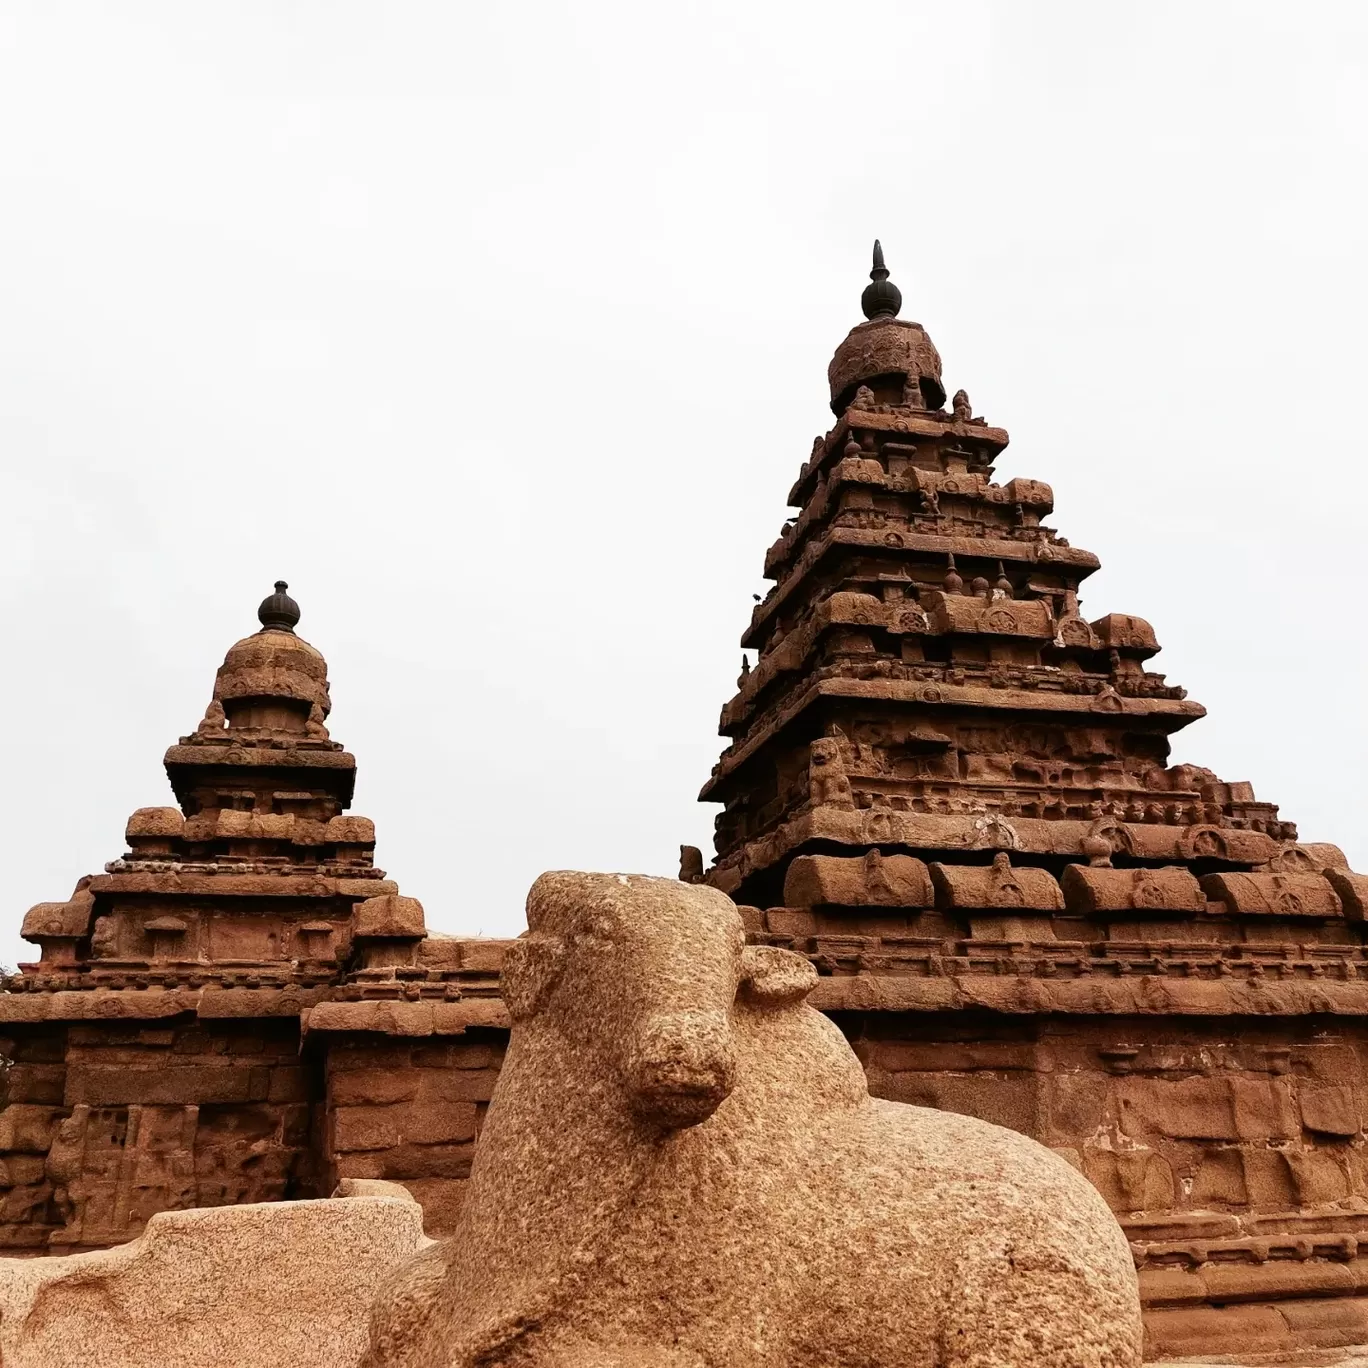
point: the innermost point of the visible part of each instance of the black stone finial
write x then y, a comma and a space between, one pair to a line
279, 612
881, 298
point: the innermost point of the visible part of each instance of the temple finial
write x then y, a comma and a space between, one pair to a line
881, 298
278, 612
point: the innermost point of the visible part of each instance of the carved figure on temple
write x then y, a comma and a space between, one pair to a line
214, 720
62, 1168
960, 406
1005, 889
314, 728
828, 783
912, 395
1097, 848
104, 939
656, 1065
690, 864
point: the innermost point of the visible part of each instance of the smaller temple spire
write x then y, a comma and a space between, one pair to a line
881, 298
279, 612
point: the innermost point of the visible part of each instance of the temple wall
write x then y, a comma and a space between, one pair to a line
1230, 1147
1225, 1115
1214, 1114
410, 1111
34, 1082
106, 1124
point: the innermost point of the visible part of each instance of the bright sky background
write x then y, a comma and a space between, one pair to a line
501, 331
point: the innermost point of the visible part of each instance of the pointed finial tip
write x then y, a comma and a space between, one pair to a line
881, 298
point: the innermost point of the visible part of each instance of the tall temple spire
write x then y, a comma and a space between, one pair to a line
881, 298
915, 595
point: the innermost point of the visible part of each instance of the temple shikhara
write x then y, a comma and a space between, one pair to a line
241, 1007
944, 785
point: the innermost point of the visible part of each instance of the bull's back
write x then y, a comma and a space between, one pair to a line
961, 1243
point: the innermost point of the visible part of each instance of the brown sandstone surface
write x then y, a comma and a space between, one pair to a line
682, 1165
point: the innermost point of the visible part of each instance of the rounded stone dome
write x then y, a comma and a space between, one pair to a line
273, 664
880, 350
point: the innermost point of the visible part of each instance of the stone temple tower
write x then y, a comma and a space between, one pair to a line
951, 790
925, 676
240, 1006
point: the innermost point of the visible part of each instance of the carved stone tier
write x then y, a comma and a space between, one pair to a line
878, 546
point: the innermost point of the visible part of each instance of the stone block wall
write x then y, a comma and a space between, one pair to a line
34, 1081
1231, 1147
410, 1111
108, 1123
1224, 1115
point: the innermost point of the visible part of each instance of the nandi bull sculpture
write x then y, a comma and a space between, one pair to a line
682, 1168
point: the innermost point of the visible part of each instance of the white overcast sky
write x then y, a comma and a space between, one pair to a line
500, 331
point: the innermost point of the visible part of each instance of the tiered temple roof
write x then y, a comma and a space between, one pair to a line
926, 679
259, 876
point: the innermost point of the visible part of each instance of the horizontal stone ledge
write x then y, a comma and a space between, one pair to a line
282, 885
1243, 1282
936, 544
919, 833
154, 1004
1138, 995
920, 424
393, 1018
1010, 699
263, 757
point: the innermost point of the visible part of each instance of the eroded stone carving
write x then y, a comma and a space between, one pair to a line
828, 783
214, 720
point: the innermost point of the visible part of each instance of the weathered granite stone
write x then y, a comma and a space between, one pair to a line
273, 1285
682, 1167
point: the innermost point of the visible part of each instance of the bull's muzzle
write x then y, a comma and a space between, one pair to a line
681, 1067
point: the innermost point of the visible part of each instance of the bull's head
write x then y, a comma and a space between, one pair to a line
645, 972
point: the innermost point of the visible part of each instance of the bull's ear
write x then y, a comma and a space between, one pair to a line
531, 966
774, 977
